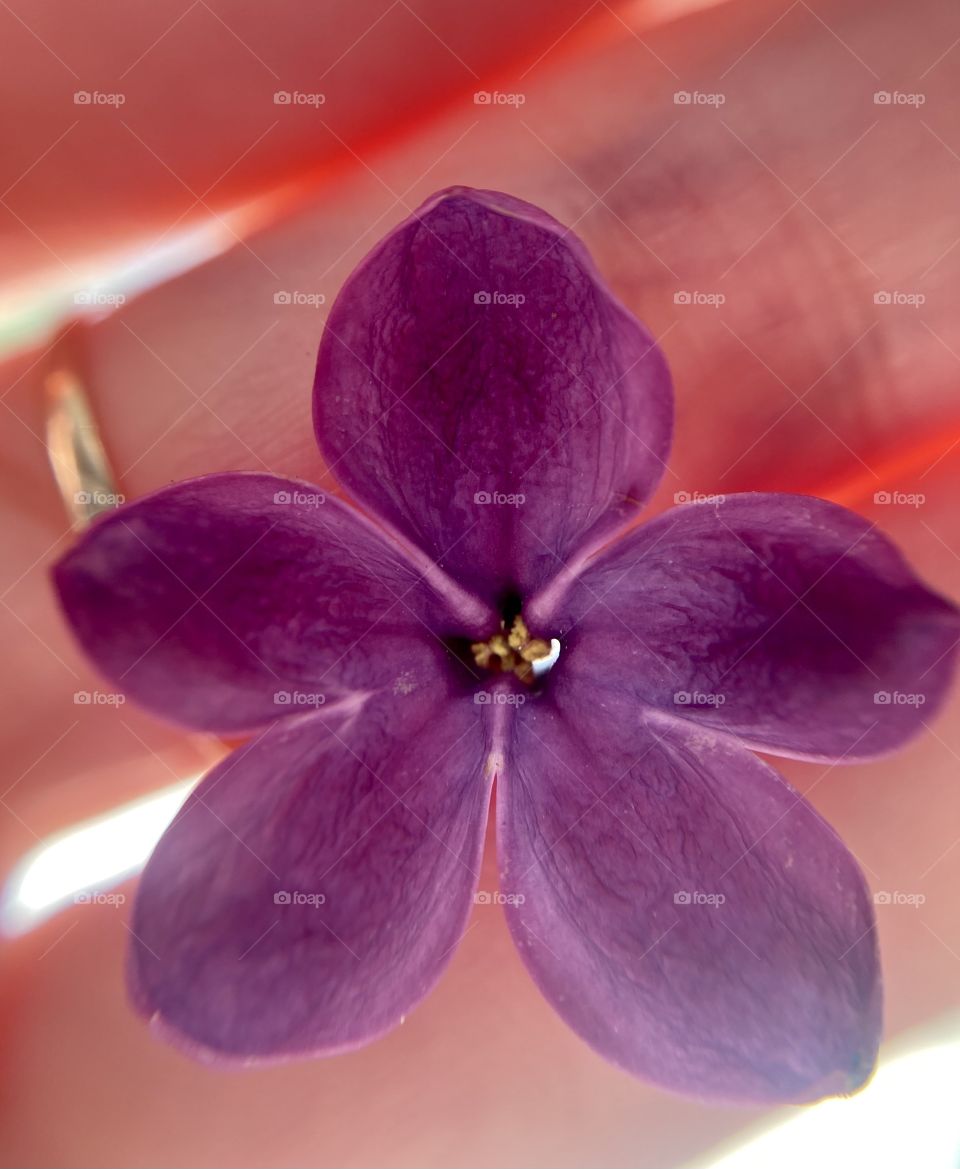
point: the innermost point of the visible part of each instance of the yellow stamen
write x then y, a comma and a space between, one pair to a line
519, 633
500, 645
482, 653
513, 651
535, 649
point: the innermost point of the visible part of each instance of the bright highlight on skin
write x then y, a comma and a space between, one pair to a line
680, 906
905, 1116
87, 859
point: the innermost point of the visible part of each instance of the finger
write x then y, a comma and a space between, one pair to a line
145, 121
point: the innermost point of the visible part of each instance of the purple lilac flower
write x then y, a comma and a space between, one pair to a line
498, 419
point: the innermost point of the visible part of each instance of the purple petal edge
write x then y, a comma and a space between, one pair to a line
381, 823
683, 909
219, 602
499, 435
784, 621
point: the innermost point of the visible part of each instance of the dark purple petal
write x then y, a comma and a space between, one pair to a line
787, 621
313, 888
224, 602
683, 908
501, 436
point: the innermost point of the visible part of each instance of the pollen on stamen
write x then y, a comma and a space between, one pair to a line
512, 652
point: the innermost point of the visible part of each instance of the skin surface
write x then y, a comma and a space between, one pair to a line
512, 1084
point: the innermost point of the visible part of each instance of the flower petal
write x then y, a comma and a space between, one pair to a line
224, 602
682, 908
784, 620
479, 387
315, 885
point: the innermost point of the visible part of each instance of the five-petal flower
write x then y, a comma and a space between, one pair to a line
500, 417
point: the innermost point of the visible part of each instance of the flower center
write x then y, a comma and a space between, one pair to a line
513, 652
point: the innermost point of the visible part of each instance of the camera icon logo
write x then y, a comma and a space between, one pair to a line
681, 897
281, 898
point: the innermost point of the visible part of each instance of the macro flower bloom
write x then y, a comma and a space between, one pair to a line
498, 419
